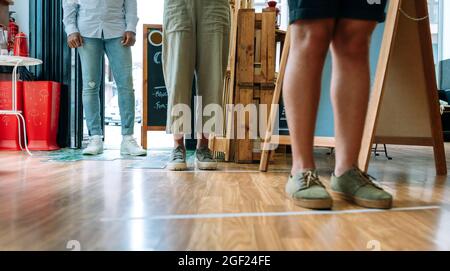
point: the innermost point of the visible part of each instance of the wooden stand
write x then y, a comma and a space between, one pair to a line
404, 107
251, 79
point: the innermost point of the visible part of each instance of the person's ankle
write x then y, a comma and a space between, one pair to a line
179, 146
127, 137
202, 147
299, 170
339, 171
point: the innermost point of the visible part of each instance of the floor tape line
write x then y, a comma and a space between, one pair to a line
268, 214
203, 171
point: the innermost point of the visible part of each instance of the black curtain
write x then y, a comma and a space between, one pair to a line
48, 42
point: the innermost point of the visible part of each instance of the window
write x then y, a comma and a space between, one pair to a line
435, 22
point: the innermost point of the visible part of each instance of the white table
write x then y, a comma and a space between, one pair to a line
17, 61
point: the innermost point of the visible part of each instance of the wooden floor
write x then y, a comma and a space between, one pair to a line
106, 206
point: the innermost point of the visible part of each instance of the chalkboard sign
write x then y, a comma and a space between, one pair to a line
155, 96
155, 92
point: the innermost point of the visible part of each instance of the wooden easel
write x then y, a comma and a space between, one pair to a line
146, 127
404, 108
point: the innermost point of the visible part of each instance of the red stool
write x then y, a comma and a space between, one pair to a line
11, 135
41, 112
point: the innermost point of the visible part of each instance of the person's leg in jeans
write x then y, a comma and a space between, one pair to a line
91, 56
213, 30
121, 63
179, 45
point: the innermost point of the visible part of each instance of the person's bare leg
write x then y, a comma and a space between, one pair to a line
204, 158
178, 141
350, 88
310, 41
202, 141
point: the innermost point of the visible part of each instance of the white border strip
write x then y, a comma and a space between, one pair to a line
268, 214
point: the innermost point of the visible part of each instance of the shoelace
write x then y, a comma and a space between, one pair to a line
92, 140
368, 179
310, 178
134, 143
207, 154
178, 153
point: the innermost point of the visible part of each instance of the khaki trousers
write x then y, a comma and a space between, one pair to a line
195, 44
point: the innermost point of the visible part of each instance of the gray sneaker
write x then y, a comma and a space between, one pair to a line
307, 191
358, 187
177, 160
204, 159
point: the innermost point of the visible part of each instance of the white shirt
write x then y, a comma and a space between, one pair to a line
106, 19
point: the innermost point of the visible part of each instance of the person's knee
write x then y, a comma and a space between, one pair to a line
311, 36
91, 87
352, 42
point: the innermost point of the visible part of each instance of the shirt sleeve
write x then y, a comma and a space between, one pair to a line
131, 15
70, 8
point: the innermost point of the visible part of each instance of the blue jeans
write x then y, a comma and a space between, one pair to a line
91, 56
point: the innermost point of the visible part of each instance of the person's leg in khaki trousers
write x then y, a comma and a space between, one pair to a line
196, 41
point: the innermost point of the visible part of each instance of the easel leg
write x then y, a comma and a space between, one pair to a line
439, 158
144, 137
386, 152
264, 164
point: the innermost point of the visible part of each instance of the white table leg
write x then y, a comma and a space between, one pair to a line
19, 126
14, 86
19, 116
25, 134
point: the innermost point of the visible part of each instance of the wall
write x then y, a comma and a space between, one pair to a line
325, 121
22, 9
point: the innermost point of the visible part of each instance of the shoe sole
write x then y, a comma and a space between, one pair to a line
130, 154
205, 166
371, 204
92, 154
314, 204
177, 167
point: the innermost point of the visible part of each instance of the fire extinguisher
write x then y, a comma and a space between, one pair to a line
13, 30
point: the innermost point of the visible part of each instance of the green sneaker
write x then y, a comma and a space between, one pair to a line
308, 192
204, 159
177, 160
359, 188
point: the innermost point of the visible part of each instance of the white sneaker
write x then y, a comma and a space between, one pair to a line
129, 146
95, 146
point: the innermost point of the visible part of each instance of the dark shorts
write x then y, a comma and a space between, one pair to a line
324, 9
